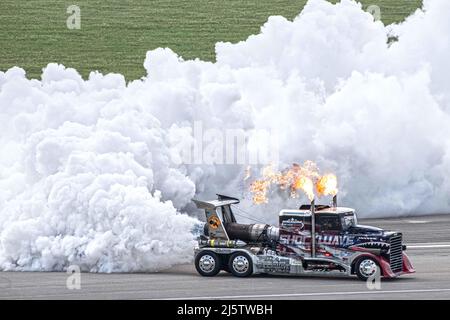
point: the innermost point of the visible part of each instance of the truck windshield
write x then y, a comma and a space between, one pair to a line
349, 220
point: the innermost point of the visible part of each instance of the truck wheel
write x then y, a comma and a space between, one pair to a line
366, 267
207, 263
240, 265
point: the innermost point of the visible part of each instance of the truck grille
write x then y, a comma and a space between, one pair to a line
395, 254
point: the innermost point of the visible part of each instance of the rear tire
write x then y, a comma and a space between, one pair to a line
366, 267
207, 263
240, 264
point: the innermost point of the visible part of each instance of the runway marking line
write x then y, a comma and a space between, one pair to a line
428, 246
311, 294
418, 221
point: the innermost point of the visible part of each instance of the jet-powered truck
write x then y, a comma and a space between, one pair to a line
315, 239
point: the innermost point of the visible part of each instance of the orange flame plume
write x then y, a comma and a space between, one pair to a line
305, 178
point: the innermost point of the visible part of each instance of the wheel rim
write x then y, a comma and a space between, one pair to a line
207, 263
368, 267
241, 264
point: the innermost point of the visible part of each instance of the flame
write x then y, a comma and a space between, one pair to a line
305, 178
259, 189
306, 185
327, 185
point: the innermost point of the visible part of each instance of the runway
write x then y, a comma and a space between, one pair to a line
427, 238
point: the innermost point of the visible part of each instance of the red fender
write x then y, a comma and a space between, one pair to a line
383, 263
386, 267
407, 265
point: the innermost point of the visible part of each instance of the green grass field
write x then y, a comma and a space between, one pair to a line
115, 35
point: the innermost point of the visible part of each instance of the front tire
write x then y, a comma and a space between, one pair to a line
367, 267
207, 263
240, 264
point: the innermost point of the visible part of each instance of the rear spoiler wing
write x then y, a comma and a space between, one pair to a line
216, 218
220, 202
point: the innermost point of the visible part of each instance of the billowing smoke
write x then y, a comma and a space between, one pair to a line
92, 171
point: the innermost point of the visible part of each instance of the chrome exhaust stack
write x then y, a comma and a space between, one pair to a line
313, 229
335, 201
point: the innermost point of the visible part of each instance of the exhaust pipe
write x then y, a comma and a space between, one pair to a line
335, 201
313, 229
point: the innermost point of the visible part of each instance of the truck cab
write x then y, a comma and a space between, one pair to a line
328, 220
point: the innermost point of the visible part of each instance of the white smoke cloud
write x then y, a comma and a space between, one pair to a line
88, 170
